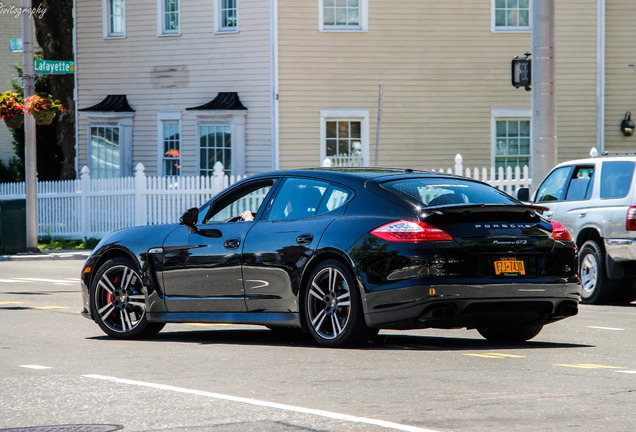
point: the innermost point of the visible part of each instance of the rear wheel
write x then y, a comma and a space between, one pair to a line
333, 310
596, 287
510, 333
118, 301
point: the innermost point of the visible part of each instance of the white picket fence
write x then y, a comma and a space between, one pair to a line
86, 207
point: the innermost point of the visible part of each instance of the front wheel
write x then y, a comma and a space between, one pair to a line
510, 333
118, 301
332, 306
596, 287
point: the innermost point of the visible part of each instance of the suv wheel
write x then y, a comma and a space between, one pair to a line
596, 287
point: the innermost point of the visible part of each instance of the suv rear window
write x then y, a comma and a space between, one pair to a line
429, 192
616, 178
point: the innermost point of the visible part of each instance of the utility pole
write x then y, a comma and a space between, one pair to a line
30, 165
544, 121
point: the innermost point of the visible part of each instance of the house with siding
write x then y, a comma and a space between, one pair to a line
268, 84
10, 28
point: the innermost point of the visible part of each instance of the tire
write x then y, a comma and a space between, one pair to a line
510, 334
118, 301
332, 307
596, 287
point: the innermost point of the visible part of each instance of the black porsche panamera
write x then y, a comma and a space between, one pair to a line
341, 253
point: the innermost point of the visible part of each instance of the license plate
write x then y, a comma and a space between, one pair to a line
509, 266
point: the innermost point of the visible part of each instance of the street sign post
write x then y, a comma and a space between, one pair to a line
54, 67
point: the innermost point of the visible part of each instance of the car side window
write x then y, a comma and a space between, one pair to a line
297, 198
581, 184
250, 198
554, 185
616, 178
335, 198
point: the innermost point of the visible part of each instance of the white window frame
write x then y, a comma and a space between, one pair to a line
108, 34
363, 24
218, 19
162, 117
161, 21
509, 29
351, 114
233, 118
124, 121
507, 114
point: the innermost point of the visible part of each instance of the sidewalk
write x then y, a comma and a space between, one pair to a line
48, 255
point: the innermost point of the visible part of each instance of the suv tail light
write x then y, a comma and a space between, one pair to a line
630, 223
410, 231
559, 232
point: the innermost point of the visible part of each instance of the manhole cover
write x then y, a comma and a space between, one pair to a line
66, 428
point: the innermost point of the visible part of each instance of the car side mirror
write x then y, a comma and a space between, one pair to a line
523, 194
190, 218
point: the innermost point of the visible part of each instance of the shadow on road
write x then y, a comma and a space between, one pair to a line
384, 341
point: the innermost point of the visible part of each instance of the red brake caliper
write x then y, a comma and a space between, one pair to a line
109, 296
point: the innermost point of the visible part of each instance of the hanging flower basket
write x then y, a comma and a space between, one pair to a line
14, 122
11, 109
44, 118
43, 108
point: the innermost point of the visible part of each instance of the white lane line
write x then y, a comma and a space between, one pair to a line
606, 328
627, 371
256, 402
37, 367
42, 280
12, 281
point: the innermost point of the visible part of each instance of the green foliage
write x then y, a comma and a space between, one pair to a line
49, 243
12, 171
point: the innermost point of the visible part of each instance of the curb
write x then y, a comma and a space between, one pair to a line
48, 255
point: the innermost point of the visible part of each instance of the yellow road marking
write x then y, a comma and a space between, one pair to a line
589, 366
9, 302
495, 355
48, 307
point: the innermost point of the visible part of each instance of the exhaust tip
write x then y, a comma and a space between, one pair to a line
567, 309
437, 313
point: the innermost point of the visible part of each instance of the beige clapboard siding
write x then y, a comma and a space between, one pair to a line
620, 84
216, 62
443, 72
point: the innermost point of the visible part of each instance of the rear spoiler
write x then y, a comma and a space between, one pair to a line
485, 208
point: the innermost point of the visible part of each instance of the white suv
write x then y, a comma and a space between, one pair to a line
595, 199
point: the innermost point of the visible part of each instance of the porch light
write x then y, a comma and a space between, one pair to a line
627, 125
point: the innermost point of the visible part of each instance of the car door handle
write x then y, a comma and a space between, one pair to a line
548, 214
305, 239
582, 214
232, 243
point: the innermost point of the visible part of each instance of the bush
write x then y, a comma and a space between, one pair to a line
49, 243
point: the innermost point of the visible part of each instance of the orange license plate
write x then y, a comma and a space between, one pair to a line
509, 266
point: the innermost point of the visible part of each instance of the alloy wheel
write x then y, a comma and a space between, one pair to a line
589, 275
119, 300
329, 303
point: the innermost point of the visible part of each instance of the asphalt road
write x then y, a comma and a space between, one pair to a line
58, 368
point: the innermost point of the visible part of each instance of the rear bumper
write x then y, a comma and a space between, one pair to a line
621, 249
457, 306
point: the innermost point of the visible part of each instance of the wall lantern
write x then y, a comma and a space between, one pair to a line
627, 125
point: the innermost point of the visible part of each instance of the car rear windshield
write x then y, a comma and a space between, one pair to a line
430, 192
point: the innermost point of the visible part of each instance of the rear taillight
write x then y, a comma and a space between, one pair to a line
630, 223
559, 232
410, 231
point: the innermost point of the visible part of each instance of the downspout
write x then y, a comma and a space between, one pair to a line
600, 76
274, 84
75, 91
